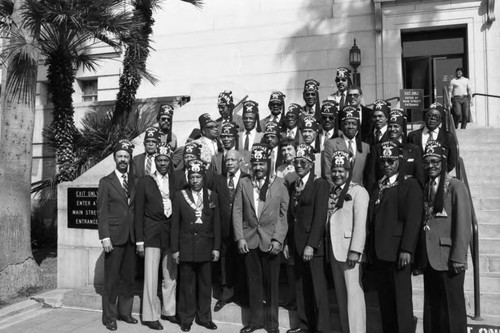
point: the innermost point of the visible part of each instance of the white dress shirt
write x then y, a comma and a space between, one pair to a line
426, 133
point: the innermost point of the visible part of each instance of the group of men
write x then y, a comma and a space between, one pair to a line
337, 191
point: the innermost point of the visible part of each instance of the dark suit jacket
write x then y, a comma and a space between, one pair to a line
298, 134
115, 211
307, 220
445, 138
180, 181
271, 224
217, 162
138, 165
366, 124
370, 138
267, 119
195, 241
151, 225
395, 223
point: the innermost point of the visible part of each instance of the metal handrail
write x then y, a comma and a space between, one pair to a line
462, 175
487, 95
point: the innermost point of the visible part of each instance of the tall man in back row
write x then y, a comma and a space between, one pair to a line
115, 209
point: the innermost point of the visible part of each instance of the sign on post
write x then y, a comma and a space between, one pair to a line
82, 207
411, 98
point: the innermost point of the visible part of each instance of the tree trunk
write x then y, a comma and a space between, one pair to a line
18, 270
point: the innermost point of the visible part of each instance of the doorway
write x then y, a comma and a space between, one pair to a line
430, 57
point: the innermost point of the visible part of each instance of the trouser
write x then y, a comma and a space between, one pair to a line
444, 302
119, 271
461, 110
222, 272
350, 296
195, 292
263, 288
169, 271
395, 297
312, 291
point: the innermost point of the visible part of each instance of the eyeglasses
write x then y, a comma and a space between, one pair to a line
310, 94
433, 117
389, 162
328, 117
340, 80
303, 163
164, 118
353, 95
428, 163
211, 127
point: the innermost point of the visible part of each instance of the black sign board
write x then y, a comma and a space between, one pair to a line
411, 98
82, 207
473, 328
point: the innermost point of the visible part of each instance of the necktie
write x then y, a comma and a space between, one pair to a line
125, 184
273, 162
431, 135
149, 163
342, 101
200, 199
432, 191
378, 135
247, 140
290, 134
231, 187
300, 185
275, 120
223, 166
351, 150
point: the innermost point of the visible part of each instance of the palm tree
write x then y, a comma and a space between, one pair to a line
134, 62
65, 32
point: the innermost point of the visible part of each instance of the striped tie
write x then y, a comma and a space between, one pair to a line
125, 184
149, 163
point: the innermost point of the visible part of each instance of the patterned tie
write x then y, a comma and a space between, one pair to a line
431, 135
231, 187
125, 184
149, 163
200, 200
247, 140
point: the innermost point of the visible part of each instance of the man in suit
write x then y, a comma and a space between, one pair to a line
346, 236
192, 151
115, 209
195, 243
342, 81
311, 97
272, 138
228, 272
444, 243
209, 141
307, 214
260, 226
229, 138
395, 218
291, 128
251, 125
225, 105
349, 141
310, 129
380, 116
164, 118
144, 164
435, 129
277, 108
153, 212
329, 115
411, 161
354, 98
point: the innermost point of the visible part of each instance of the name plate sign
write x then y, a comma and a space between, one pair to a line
411, 98
82, 207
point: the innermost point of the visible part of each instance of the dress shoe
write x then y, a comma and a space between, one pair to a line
111, 325
128, 319
249, 329
297, 330
172, 319
219, 305
154, 325
208, 325
185, 327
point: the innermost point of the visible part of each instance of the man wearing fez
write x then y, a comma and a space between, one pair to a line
307, 214
342, 81
380, 116
329, 129
348, 141
260, 226
443, 246
272, 138
225, 105
395, 218
153, 212
144, 164
411, 159
115, 209
291, 128
311, 97
346, 236
435, 129
195, 243
229, 272
192, 151
277, 108
355, 98
251, 125
310, 129
164, 118
209, 142
229, 138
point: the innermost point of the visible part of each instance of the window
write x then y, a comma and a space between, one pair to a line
89, 90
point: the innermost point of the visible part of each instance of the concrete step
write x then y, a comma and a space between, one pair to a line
478, 136
489, 230
489, 191
488, 216
485, 203
481, 173
479, 144
489, 246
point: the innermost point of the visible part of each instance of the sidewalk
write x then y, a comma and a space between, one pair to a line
65, 320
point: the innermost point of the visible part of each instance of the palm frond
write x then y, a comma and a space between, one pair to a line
197, 3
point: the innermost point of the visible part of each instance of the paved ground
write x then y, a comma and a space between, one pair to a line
64, 320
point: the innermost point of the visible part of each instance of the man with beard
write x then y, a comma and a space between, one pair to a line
209, 142
164, 118
229, 138
329, 115
380, 116
272, 138
311, 97
144, 164
354, 98
444, 244
307, 214
260, 226
115, 209
251, 133
277, 108
225, 105
195, 242
343, 81
153, 212
395, 218
435, 129
348, 141
291, 125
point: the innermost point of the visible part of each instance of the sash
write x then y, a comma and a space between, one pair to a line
197, 208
